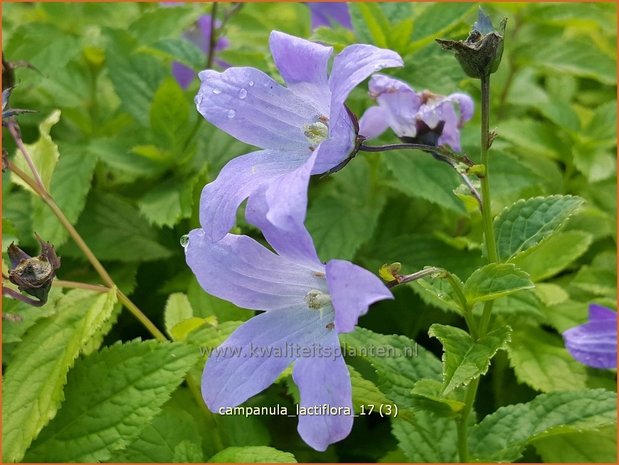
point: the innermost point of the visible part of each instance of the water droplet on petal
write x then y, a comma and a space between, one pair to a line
216, 91
242, 93
251, 83
231, 113
184, 241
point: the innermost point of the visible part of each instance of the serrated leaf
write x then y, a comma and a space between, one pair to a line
43, 153
540, 360
159, 441
503, 435
399, 362
370, 23
527, 222
169, 202
437, 292
255, 454
177, 309
495, 280
418, 174
583, 447
169, 114
522, 303
365, 392
70, 185
346, 217
553, 254
207, 336
33, 382
464, 358
114, 230
427, 438
112, 396
428, 395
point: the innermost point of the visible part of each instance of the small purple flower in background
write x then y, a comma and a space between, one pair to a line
303, 128
594, 343
200, 36
412, 115
305, 303
329, 13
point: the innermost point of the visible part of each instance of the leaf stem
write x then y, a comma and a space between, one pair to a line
14, 130
78, 285
212, 36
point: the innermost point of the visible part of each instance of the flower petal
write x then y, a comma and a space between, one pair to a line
594, 343
338, 146
353, 65
183, 74
257, 352
303, 65
327, 13
400, 102
352, 289
281, 219
244, 272
251, 106
466, 105
238, 179
373, 122
324, 380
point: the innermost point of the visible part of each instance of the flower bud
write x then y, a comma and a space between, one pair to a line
480, 54
33, 275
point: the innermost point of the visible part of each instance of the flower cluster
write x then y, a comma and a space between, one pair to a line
301, 129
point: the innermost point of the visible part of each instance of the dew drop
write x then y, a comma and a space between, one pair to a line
231, 114
251, 83
216, 91
242, 93
184, 241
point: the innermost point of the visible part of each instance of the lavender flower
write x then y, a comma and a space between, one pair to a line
200, 36
305, 303
303, 128
414, 115
329, 13
595, 343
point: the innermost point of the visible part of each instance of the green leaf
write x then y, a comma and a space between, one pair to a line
365, 392
256, 454
429, 396
205, 305
112, 396
495, 280
503, 435
208, 336
527, 222
417, 174
370, 23
427, 438
437, 292
399, 362
541, 360
345, 218
33, 382
169, 114
115, 230
162, 439
522, 303
464, 358
70, 185
169, 202
44, 153
177, 309
180, 50
583, 447
553, 255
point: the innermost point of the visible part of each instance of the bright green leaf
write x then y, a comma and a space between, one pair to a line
112, 396
495, 280
464, 358
527, 222
177, 309
169, 114
428, 394
503, 435
583, 447
365, 392
426, 438
34, 381
256, 454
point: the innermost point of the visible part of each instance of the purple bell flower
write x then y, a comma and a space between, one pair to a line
329, 13
305, 305
594, 343
200, 36
409, 113
302, 129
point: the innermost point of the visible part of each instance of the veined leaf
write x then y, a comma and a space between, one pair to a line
527, 222
495, 280
583, 447
34, 381
427, 438
252, 454
464, 358
112, 396
503, 435
428, 394
177, 309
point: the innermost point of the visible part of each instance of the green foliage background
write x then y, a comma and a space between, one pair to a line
126, 155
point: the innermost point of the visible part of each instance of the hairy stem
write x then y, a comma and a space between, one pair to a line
14, 130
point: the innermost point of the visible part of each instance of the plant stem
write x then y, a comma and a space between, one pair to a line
463, 419
14, 130
212, 37
78, 285
105, 277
